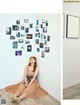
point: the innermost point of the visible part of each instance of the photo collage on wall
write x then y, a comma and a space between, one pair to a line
24, 36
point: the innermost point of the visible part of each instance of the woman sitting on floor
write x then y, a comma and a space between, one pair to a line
29, 87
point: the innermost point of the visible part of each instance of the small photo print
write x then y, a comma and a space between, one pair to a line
47, 49
29, 48
31, 25
3, 101
27, 42
22, 46
44, 29
18, 53
46, 23
22, 35
29, 36
17, 21
26, 30
15, 28
36, 41
37, 22
22, 27
8, 31
41, 45
43, 20
37, 29
12, 37
20, 40
45, 42
42, 53
18, 34
48, 38
44, 36
41, 25
36, 34
38, 49
26, 20
15, 44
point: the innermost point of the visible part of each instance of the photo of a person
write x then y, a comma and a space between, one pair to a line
29, 86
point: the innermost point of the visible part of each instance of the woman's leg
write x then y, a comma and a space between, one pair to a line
20, 89
28, 91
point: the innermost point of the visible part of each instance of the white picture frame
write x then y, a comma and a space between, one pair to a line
72, 27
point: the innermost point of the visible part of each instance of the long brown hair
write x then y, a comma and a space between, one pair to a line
35, 64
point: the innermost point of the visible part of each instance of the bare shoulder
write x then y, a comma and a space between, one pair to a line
37, 68
26, 66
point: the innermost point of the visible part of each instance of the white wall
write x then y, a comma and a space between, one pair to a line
11, 67
71, 51
50, 68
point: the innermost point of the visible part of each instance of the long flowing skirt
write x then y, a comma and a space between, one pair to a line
32, 91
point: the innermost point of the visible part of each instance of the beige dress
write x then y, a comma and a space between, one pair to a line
32, 91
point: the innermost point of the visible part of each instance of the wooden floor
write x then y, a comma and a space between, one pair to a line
72, 92
47, 100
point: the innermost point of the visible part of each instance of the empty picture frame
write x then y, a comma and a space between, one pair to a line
72, 27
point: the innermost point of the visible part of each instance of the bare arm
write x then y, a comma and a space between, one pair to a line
36, 73
25, 73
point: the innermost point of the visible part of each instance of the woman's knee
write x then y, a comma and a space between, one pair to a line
24, 94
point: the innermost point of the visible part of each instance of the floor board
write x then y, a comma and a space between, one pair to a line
72, 92
47, 100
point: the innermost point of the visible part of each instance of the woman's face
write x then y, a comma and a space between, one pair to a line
32, 60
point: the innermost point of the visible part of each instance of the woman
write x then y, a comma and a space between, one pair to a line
29, 87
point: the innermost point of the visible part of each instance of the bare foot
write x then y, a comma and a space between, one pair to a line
13, 97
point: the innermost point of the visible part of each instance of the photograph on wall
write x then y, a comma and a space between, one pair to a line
46, 23
42, 36
18, 53
39, 35
47, 49
12, 37
41, 45
44, 29
29, 36
18, 34
37, 22
41, 25
31, 25
8, 30
27, 42
15, 44
48, 38
22, 27
15, 27
26, 20
22, 46
38, 49
17, 21
43, 20
22, 35
36, 41
29, 48
20, 40
26, 30
45, 42
36, 34
37, 28
42, 53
